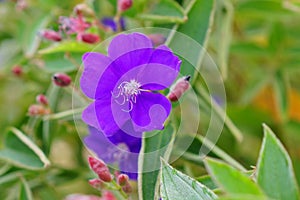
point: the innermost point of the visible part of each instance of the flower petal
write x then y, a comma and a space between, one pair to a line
168, 66
123, 43
110, 115
89, 116
108, 149
94, 66
150, 111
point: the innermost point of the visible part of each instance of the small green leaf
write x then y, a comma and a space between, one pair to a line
155, 145
19, 150
166, 11
178, 186
25, 192
67, 46
232, 180
207, 181
275, 173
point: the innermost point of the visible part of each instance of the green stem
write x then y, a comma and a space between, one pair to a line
64, 114
220, 112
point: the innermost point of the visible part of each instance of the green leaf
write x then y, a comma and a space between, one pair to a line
166, 11
207, 181
281, 88
58, 62
200, 15
155, 145
232, 180
67, 46
25, 192
178, 186
275, 173
21, 151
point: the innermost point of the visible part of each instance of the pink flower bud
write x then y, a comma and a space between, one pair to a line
17, 70
90, 38
179, 88
61, 79
124, 5
37, 110
42, 99
157, 39
100, 168
51, 35
123, 181
108, 196
82, 197
96, 183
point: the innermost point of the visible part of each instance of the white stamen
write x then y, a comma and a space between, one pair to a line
129, 92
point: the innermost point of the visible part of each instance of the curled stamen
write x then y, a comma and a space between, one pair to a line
130, 107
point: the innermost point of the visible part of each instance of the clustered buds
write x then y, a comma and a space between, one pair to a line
41, 108
61, 80
51, 35
105, 178
124, 5
179, 88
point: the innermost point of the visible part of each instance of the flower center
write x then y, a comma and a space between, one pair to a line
127, 92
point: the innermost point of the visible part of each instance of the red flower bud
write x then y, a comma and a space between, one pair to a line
96, 183
124, 5
108, 196
90, 38
17, 70
51, 35
100, 168
37, 110
61, 79
42, 99
179, 88
157, 39
83, 8
123, 181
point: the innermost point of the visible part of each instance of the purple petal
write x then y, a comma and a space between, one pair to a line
123, 43
110, 116
168, 66
89, 116
150, 111
108, 149
94, 66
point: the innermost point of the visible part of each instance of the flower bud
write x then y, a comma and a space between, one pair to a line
61, 79
157, 39
123, 181
83, 8
96, 183
179, 88
17, 70
50, 35
124, 5
100, 168
82, 197
42, 99
37, 110
90, 38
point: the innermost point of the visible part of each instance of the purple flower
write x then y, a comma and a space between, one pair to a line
121, 149
109, 22
124, 84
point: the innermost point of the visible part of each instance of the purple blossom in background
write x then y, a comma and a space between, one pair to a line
109, 22
123, 82
120, 149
